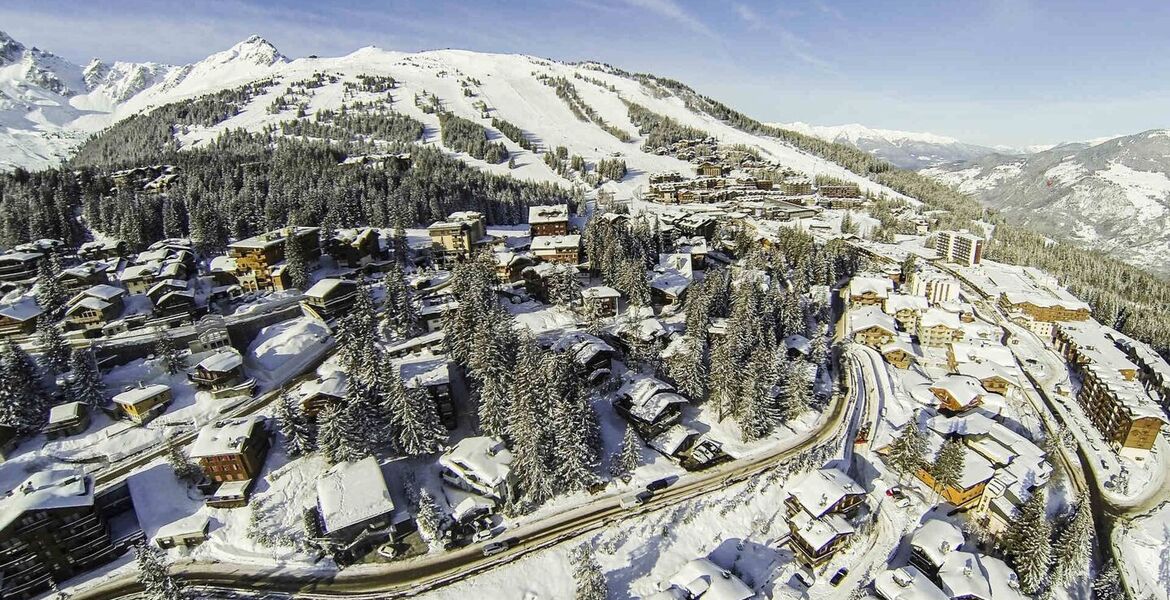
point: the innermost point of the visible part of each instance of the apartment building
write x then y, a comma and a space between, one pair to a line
962, 247
549, 220
256, 258
1114, 400
1045, 308
457, 237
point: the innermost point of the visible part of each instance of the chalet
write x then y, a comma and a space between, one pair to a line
211, 334
510, 265
601, 299
137, 279
355, 247
66, 419
870, 326
868, 290
231, 450
103, 250
75, 279
143, 403
19, 266
932, 543
906, 310
186, 532
221, 370
977, 472
256, 257
324, 392
95, 307
710, 169
457, 237
1045, 308
957, 393
697, 249
166, 286
818, 510
175, 304
432, 375
591, 355
650, 405
330, 297
563, 249
939, 328
671, 278
702, 578
353, 501
549, 220
434, 308
19, 318
695, 224
540, 280
56, 526
480, 465
898, 353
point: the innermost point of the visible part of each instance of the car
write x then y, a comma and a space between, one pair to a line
635, 499
658, 484
483, 534
838, 576
388, 550
804, 577
498, 547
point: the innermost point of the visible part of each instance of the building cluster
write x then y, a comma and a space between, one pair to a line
822, 509
1115, 399
944, 565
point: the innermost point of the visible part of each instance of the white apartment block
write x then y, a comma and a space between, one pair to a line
960, 247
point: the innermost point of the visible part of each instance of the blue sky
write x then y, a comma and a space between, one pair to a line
1012, 72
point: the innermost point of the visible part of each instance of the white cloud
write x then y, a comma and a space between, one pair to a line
829, 9
750, 17
671, 10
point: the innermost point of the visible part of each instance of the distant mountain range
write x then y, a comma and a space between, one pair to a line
49, 105
905, 149
1113, 195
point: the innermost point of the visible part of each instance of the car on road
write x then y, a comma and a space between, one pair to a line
838, 576
635, 499
659, 484
498, 547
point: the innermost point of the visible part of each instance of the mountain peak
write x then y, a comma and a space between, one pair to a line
255, 50
10, 49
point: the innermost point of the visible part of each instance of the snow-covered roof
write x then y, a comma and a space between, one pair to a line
424, 371
223, 263
976, 468
187, 526
964, 389
271, 238
222, 362
907, 583
671, 282
352, 492
600, 291
963, 575
964, 352
138, 272
937, 316
584, 346
553, 213
704, 579
325, 286
670, 441
134, 396
819, 491
556, 243
87, 303
1044, 301
799, 343
223, 437
172, 283
1094, 343
897, 302
937, 538
486, 457
865, 317
65, 412
47, 490
862, 284
819, 532
21, 310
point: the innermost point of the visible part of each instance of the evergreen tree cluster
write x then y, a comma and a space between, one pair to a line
342, 125
513, 133
462, 135
568, 92
24, 405
660, 131
613, 169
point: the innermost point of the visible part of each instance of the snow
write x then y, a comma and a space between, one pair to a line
223, 437
47, 490
1144, 190
286, 349
352, 492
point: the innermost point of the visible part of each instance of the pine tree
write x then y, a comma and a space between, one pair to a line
23, 405
526, 426
759, 415
154, 574
430, 521
168, 353
628, 458
947, 469
399, 306
490, 365
723, 377
907, 453
417, 426
357, 339
574, 425
1107, 585
355, 424
588, 575
688, 369
296, 262
54, 348
1073, 547
184, 468
50, 294
564, 288
329, 433
796, 391
85, 379
295, 428
1030, 543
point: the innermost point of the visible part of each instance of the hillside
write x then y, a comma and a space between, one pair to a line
1112, 195
903, 149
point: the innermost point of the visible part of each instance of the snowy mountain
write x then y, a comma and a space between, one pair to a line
1113, 195
905, 149
478, 86
49, 105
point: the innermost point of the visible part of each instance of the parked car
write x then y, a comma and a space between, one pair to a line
498, 547
483, 534
838, 576
635, 499
804, 577
658, 484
